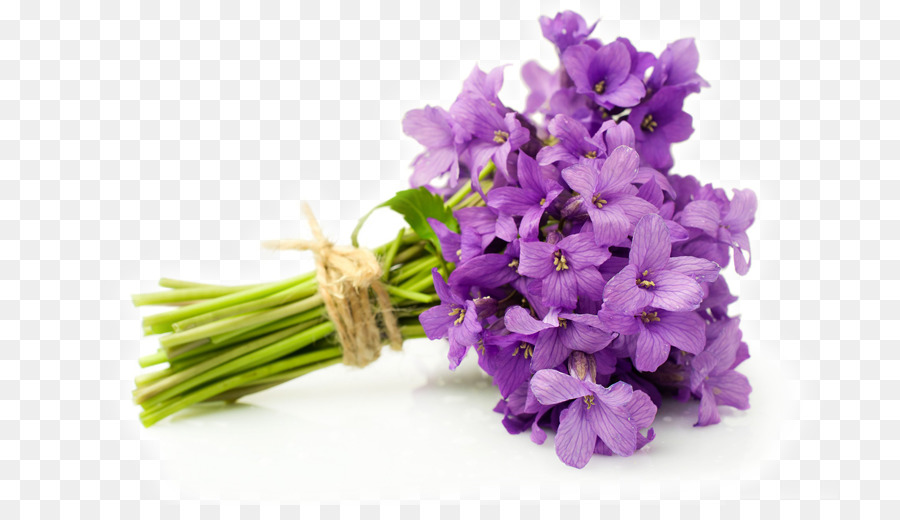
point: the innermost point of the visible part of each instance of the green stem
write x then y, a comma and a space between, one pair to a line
388, 261
253, 293
303, 290
202, 372
182, 295
257, 318
241, 335
409, 295
151, 417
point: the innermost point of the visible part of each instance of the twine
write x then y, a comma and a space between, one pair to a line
345, 276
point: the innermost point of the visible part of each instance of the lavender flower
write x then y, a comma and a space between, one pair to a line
542, 84
455, 318
608, 196
659, 122
558, 335
651, 333
595, 412
531, 200
652, 279
726, 222
494, 136
568, 269
575, 144
713, 375
565, 29
604, 74
433, 129
677, 67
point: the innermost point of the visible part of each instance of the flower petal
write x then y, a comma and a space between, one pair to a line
651, 351
650, 247
613, 426
536, 259
675, 292
699, 269
488, 270
552, 387
623, 294
619, 169
519, 320
549, 350
560, 288
575, 437
684, 330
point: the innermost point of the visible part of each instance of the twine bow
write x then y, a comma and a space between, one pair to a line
345, 275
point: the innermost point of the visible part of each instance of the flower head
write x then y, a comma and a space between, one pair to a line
595, 412
567, 269
652, 278
604, 74
659, 122
565, 29
608, 196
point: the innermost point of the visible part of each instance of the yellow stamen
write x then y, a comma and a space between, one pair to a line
560, 261
500, 136
591, 155
461, 312
598, 201
648, 317
589, 401
648, 124
514, 264
600, 87
527, 350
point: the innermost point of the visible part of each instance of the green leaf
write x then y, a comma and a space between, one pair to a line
416, 206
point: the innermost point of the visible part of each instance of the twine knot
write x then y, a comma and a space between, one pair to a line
345, 276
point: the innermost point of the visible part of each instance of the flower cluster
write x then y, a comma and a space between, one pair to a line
587, 278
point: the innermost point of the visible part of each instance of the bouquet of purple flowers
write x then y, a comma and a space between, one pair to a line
554, 242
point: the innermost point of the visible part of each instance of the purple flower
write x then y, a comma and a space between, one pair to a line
595, 412
455, 318
507, 358
536, 194
542, 84
726, 222
568, 269
651, 333
677, 67
493, 136
483, 224
713, 375
642, 411
659, 122
565, 29
488, 270
558, 336
486, 85
608, 196
432, 128
575, 144
604, 74
652, 279
640, 61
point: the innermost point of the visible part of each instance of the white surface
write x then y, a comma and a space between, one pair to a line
406, 427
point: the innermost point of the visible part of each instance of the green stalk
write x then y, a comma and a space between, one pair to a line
303, 290
202, 372
409, 295
388, 261
182, 295
149, 418
238, 336
167, 318
239, 322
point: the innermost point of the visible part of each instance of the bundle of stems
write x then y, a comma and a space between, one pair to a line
221, 343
